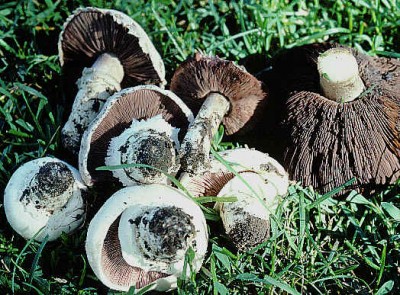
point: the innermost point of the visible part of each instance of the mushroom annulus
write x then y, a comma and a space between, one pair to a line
255, 179
340, 116
140, 237
141, 125
44, 198
216, 90
101, 50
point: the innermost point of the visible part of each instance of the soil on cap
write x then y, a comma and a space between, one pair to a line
52, 180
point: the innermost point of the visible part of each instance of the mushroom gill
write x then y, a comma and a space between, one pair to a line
327, 142
140, 237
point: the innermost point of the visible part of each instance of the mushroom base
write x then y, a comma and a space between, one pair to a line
339, 77
249, 230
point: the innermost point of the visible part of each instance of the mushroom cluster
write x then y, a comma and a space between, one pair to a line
340, 119
122, 118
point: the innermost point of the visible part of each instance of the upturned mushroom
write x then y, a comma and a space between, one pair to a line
140, 237
255, 179
100, 50
142, 125
341, 111
217, 91
44, 198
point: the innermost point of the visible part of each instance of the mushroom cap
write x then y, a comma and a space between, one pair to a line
199, 76
45, 193
118, 113
115, 255
328, 143
90, 32
241, 160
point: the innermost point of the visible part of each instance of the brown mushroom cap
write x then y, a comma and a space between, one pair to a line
199, 76
89, 32
140, 102
327, 143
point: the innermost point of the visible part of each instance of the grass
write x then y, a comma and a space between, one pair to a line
319, 245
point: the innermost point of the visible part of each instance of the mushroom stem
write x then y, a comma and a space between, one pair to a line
339, 77
95, 86
161, 234
195, 148
247, 221
149, 142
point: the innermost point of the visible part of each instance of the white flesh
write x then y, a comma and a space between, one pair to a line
129, 203
339, 77
95, 86
27, 220
196, 145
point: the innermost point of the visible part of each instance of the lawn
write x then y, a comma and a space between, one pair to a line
320, 244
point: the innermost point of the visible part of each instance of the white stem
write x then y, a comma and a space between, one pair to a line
246, 220
339, 77
150, 142
95, 86
195, 148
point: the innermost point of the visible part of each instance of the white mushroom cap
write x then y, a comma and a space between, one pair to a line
118, 114
240, 160
247, 220
133, 238
45, 195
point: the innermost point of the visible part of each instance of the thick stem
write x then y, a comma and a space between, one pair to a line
339, 77
95, 86
195, 148
246, 220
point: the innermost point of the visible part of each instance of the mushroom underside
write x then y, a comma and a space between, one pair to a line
108, 32
327, 143
117, 270
140, 104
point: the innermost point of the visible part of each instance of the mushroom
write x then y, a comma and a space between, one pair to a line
339, 122
140, 125
217, 91
255, 179
100, 50
45, 197
140, 237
